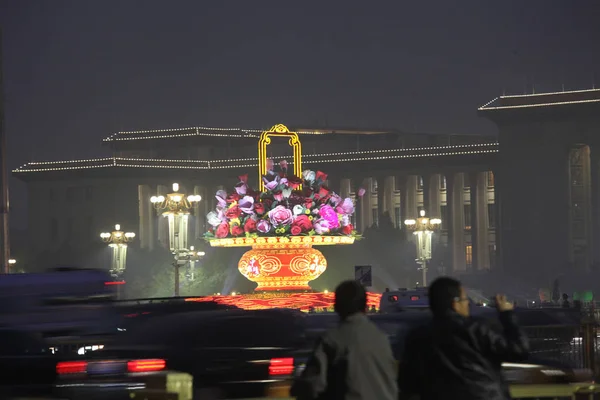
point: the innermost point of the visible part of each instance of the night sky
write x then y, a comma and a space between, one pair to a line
77, 70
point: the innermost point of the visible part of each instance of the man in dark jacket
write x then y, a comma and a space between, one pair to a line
456, 356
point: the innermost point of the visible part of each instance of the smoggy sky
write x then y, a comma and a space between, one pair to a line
76, 71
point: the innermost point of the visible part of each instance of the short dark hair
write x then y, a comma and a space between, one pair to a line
350, 298
442, 294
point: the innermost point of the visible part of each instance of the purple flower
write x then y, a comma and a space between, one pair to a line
221, 197
246, 204
271, 181
241, 188
361, 192
346, 207
214, 219
281, 216
263, 226
321, 226
335, 199
328, 214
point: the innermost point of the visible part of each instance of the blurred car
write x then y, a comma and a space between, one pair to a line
229, 353
28, 367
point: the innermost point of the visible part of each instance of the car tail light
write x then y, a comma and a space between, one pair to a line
151, 365
281, 366
71, 367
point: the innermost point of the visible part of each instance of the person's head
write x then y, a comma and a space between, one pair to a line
447, 294
350, 298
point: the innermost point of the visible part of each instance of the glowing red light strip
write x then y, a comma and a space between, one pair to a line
114, 283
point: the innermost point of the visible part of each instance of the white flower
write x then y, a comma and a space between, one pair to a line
213, 219
286, 193
309, 175
298, 209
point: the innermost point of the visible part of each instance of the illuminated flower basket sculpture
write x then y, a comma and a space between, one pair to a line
291, 213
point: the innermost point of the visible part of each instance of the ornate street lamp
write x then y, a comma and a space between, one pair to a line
117, 240
423, 228
176, 207
194, 257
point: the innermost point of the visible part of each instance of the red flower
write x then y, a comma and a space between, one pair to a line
250, 225
303, 222
233, 212
307, 191
294, 182
243, 178
259, 208
308, 203
222, 230
347, 230
233, 197
295, 199
237, 230
268, 203
295, 230
321, 176
324, 191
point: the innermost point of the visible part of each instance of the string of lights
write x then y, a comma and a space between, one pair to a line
210, 165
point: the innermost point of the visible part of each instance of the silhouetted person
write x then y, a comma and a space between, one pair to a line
456, 356
353, 361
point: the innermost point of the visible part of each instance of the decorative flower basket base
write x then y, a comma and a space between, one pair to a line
282, 263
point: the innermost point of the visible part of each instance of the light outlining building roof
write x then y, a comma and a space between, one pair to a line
537, 100
350, 156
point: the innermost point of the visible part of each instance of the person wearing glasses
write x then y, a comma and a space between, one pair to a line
456, 356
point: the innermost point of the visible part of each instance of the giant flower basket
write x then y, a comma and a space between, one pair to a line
291, 212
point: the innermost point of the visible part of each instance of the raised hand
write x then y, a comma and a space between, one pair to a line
502, 304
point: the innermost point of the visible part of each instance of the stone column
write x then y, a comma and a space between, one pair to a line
345, 188
367, 204
479, 221
199, 214
595, 196
388, 198
433, 209
163, 223
409, 198
456, 224
145, 213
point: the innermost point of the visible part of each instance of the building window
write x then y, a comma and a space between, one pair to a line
467, 211
71, 194
491, 215
375, 216
374, 185
398, 215
492, 256
89, 193
490, 179
53, 232
467, 181
70, 228
444, 216
469, 255
420, 183
443, 182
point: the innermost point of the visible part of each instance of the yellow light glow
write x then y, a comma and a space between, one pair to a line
279, 130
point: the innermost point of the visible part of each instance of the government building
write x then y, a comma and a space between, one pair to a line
524, 200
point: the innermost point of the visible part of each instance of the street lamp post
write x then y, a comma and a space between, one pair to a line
194, 257
423, 228
117, 240
176, 207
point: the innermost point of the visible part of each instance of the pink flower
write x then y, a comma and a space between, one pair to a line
328, 214
246, 204
281, 216
269, 165
283, 164
361, 192
263, 226
335, 199
346, 207
321, 226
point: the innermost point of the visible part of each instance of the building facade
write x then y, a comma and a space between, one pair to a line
450, 176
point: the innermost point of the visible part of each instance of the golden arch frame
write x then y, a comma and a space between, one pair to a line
278, 130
